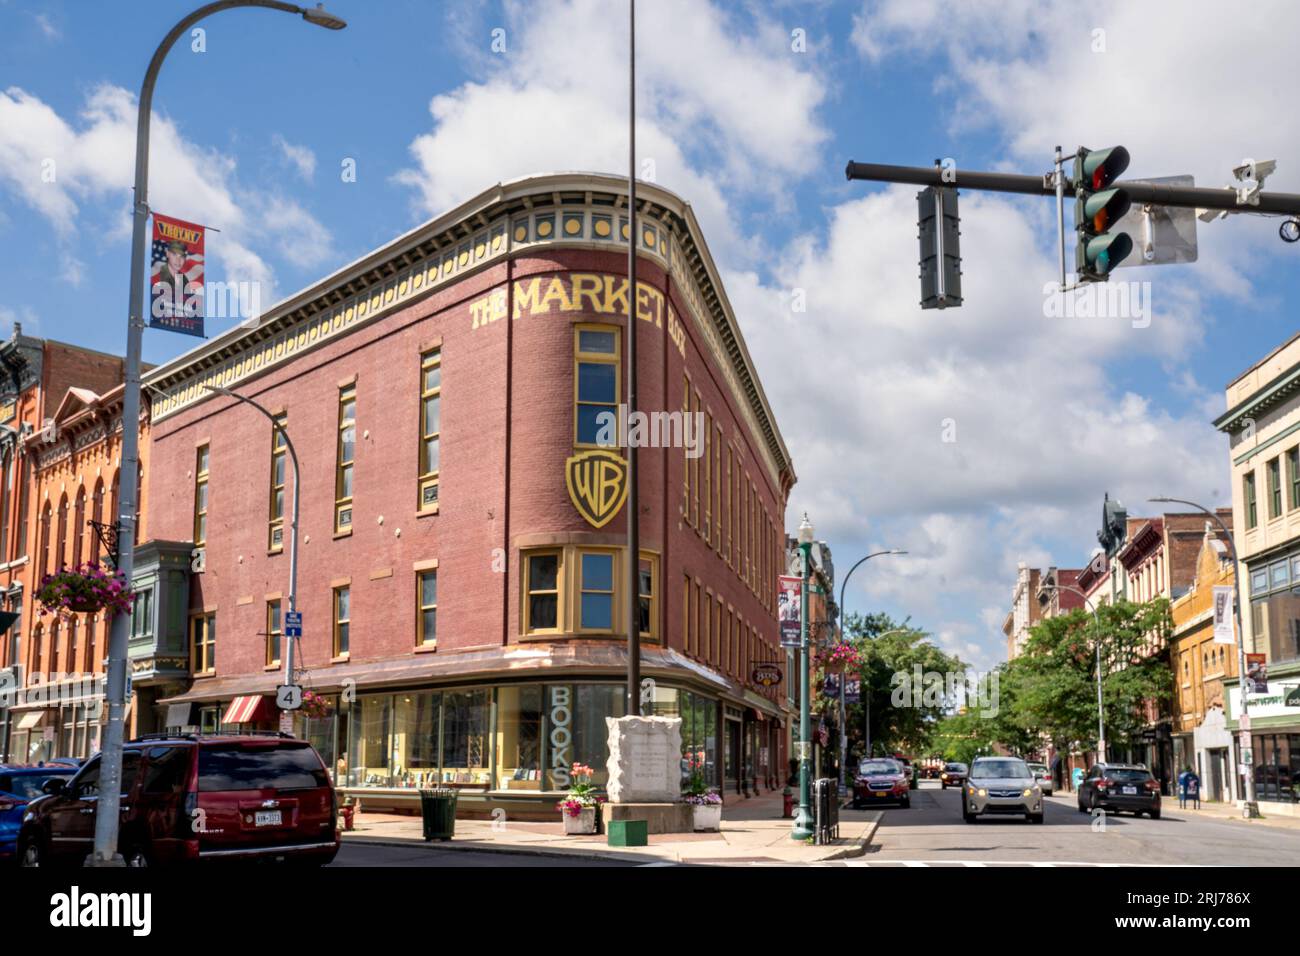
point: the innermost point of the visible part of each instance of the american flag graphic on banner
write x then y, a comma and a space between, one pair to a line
176, 276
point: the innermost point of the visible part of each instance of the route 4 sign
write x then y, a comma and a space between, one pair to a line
288, 696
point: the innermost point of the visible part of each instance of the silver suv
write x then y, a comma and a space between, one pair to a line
1001, 785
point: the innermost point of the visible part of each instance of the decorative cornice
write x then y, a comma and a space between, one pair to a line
584, 210
1274, 393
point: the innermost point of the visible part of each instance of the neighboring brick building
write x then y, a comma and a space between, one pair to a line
1201, 665
462, 613
75, 480
35, 377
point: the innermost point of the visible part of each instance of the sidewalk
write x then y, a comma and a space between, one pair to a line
753, 831
1228, 811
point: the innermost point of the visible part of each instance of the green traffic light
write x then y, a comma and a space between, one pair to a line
1098, 255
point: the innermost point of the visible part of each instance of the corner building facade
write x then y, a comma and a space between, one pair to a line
462, 576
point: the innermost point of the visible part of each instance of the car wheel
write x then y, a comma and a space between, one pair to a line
857, 804
31, 853
906, 802
136, 857
945, 786
1035, 818
1092, 801
1155, 814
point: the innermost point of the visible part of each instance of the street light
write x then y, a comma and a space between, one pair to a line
844, 737
286, 717
1250, 806
110, 769
1096, 620
803, 823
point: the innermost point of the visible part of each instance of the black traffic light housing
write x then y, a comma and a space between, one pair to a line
1097, 208
937, 225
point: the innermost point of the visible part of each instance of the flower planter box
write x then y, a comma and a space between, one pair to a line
708, 817
584, 822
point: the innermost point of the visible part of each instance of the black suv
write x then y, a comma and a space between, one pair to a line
193, 797
1120, 786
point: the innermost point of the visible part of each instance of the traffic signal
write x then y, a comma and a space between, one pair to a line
937, 223
1097, 209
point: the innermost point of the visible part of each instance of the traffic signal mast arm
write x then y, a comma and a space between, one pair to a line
1186, 197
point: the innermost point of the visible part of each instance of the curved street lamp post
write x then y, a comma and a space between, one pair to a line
106, 818
844, 737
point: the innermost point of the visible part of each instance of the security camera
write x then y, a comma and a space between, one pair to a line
1290, 229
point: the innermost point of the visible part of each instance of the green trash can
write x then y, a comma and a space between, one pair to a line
438, 807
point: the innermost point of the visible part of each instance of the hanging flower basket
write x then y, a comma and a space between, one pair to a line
87, 588
314, 706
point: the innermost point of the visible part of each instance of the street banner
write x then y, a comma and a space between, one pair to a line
176, 276
1256, 673
788, 609
1223, 614
831, 686
852, 690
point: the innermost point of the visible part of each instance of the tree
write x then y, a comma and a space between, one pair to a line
1054, 682
891, 655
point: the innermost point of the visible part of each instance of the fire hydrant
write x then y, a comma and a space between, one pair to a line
347, 812
787, 807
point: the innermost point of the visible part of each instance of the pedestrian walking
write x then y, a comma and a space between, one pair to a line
1189, 788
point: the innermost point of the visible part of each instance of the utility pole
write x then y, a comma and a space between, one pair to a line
803, 821
110, 768
633, 495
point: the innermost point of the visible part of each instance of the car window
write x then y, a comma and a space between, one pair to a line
168, 770
27, 785
87, 781
990, 769
955, 767
1130, 776
878, 766
235, 767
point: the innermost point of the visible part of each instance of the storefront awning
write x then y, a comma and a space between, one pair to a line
30, 719
241, 709
178, 715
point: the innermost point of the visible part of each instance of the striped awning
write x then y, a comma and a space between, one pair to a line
242, 709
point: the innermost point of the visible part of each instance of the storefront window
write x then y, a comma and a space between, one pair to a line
330, 738
368, 746
519, 738
415, 739
576, 731
1277, 767
465, 737
699, 736
1276, 622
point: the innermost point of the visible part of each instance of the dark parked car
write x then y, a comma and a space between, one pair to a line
881, 780
952, 775
192, 797
19, 786
1120, 786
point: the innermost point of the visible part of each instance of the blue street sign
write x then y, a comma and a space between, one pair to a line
293, 624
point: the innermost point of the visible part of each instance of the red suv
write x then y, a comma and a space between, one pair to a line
190, 797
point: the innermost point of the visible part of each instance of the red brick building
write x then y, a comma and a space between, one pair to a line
36, 376
462, 538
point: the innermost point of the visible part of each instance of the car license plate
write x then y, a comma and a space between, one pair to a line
1130, 790
266, 818
885, 794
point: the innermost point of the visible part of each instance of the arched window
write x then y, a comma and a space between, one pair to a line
54, 651
61, 555
38, 635
79, 528
72, 645
113, 498
97, 515
45, 539
24, 479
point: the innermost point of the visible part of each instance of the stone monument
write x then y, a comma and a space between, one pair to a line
645, 773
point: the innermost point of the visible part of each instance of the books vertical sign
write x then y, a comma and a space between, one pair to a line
176, 276
789, 609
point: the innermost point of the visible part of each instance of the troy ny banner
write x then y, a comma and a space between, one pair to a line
176, 276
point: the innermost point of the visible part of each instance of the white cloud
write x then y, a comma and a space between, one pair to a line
67, 171
722, 106
300, 158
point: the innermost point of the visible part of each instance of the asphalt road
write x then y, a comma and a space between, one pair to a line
931, 832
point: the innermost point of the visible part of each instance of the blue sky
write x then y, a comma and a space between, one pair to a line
250, 135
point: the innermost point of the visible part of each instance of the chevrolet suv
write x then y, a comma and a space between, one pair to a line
190, 797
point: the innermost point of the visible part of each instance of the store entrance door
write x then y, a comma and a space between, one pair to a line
731, 760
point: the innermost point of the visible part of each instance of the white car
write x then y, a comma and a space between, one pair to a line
1042, 777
